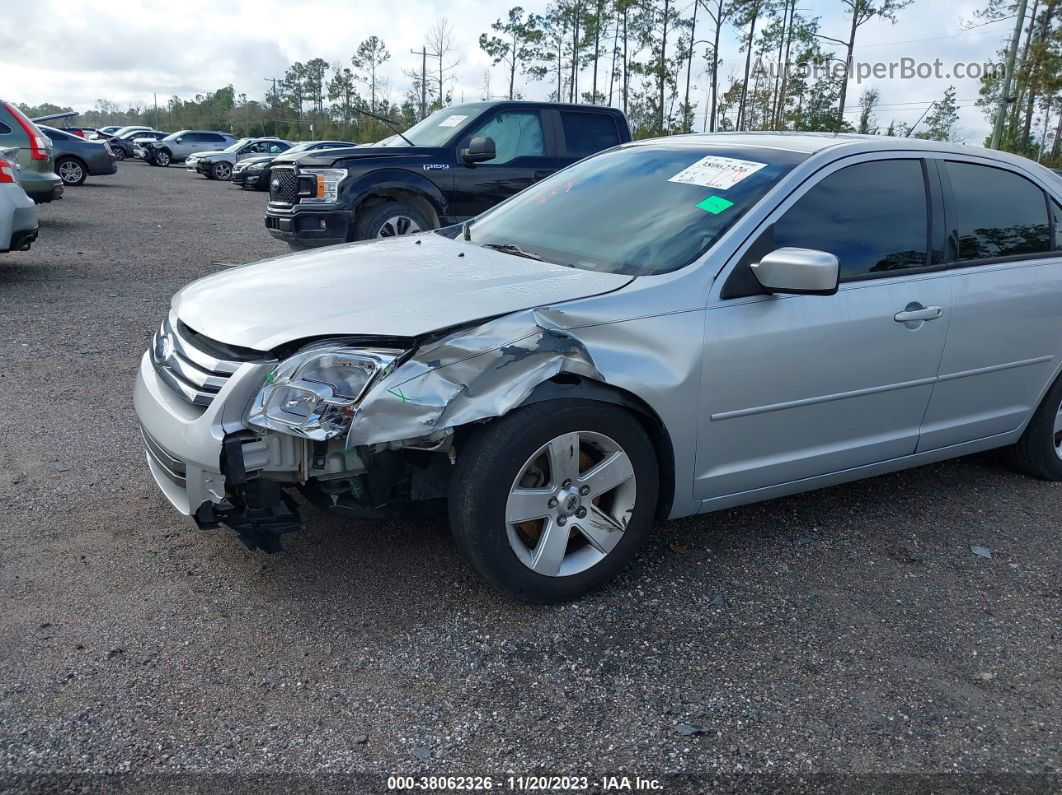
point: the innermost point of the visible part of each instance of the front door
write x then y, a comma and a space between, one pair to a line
800, 386
523, 157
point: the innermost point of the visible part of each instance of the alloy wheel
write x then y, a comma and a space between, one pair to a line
162, 158
71, 172
1058, 431
398, 225
570, 503
222, 171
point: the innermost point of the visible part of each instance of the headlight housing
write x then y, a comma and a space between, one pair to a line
325, 186
315, 393
256, 167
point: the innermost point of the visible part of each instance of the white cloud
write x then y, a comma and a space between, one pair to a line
125, 52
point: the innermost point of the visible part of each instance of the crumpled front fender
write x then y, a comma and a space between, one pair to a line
473, 374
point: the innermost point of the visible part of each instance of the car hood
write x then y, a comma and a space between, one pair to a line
326, 157
402, 287
250, 161
201, 155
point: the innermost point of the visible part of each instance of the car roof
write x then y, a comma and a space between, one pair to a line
812, 143
518, 103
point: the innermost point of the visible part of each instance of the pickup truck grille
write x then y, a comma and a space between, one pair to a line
284, 186
194, 366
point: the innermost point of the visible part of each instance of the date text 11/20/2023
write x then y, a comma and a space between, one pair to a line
536, 783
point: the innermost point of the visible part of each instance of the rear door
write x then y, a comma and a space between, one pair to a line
1004, 345
798, 386
525, 154
585, 132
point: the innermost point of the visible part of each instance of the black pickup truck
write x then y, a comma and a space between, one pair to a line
451, 166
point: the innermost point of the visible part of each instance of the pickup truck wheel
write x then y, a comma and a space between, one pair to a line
222, 171
71, 170
161, 158
390, 219
553, 500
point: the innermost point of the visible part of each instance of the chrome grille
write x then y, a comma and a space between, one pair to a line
284, 186
194, 366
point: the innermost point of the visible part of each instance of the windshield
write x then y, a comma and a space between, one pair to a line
435, 130
238, 145
640, 211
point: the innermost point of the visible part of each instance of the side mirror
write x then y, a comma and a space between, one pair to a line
798, 271
480, 148
178, 140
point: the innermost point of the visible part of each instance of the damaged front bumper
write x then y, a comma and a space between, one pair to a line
208, 465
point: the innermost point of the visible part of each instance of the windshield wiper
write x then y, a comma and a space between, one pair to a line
511, 248
388, 122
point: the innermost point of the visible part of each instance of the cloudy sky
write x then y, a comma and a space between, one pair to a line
72, 53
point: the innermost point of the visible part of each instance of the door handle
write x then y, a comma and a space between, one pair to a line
916, 313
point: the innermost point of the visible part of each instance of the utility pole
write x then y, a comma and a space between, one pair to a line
274, 103
1008, 77
423, 53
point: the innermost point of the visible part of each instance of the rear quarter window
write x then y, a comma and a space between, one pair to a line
4, 129
586, 133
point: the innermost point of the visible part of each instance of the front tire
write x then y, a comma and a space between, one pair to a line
161, 158
71, 170
221, 171
1039, 450
552, 501
389, 219
119, 153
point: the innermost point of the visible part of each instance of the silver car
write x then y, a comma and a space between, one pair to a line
177, 146
18, 212
667, 328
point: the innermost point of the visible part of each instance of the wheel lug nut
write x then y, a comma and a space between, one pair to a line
552, 502
562, 521
581, 513
567, 484
584, 490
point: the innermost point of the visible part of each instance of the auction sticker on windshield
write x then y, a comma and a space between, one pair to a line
717, 172
452, 121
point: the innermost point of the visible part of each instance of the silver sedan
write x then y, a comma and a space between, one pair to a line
668, 328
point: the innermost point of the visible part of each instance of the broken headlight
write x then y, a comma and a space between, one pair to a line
315, 393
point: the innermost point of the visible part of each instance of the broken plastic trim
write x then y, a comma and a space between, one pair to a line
474, 374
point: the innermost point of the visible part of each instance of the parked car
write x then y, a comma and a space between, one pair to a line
252, 173
124, 130
451, 166
219, 164
34, 158
76, 159
123, 145
668, 328
18, 213
109, 130
177, 146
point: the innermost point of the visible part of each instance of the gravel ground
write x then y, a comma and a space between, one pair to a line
848, 630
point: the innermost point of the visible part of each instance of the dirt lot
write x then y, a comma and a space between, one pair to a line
847, 630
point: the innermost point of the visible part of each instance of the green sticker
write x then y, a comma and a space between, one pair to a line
715, 205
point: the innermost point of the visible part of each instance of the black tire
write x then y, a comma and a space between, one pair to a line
119, 153
490, 461
221, 171
1037, 451
71, 170
161, 158
370, 221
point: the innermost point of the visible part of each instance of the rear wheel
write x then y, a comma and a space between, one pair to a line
222, 171
553, 500
1039, 451
71, 170
389, 219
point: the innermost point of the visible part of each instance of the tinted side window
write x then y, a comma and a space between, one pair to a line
586, 133
872, 216
515, 133
4, 129
999, 214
